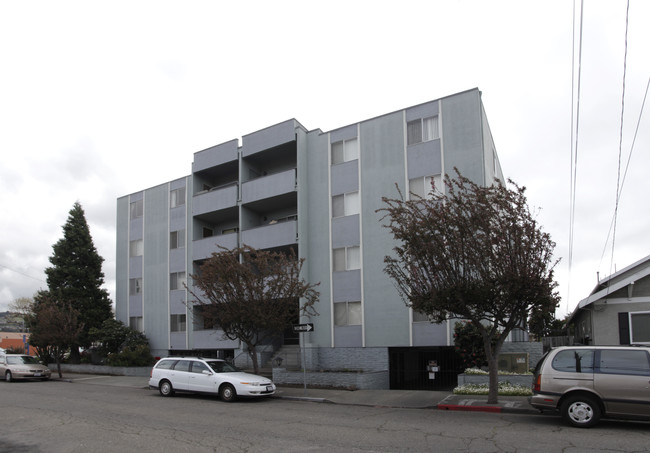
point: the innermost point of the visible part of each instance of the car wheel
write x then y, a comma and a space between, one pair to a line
8, 376
581, 411
166, 388
227, 393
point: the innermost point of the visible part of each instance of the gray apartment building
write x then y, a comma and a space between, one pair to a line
317, 192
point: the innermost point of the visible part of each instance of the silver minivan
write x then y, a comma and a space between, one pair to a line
585, 383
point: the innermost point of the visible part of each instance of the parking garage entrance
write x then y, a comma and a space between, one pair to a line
411, 368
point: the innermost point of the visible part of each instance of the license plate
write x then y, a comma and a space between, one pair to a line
269, 388
37, 374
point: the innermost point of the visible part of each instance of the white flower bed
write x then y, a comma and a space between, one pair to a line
505, 389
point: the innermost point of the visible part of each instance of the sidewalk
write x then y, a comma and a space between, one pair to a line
410, 399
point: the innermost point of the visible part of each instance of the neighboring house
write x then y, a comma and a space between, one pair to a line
618, 310
287, 187
16, 341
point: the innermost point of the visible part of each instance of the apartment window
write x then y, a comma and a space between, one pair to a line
177, 197
136, 247
422, 130
346, 204
345, 151
177, 239
418, 316
347, 313
177, 280
347, 258
135, 322
640, 327
422, 187
137, 209
135, 286
178, 323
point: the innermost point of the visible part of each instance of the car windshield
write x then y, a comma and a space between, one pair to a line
22, 359
222, 367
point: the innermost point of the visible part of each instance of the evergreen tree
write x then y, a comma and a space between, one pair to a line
76, 277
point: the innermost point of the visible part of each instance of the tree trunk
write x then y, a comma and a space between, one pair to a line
58, 365
253, 355
75, 357
493, 393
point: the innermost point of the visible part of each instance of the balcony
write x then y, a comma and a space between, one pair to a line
266, 187
215, 199
273, 235
203, 248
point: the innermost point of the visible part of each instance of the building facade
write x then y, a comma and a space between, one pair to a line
318, 193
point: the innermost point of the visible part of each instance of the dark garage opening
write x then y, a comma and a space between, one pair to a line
409, 368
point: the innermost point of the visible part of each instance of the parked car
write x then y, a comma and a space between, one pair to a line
22, 366
585, 383
195, 374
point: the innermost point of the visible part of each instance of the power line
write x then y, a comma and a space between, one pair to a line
575, 123
22, 273
620, 140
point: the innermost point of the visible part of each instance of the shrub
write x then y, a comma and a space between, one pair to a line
138, 355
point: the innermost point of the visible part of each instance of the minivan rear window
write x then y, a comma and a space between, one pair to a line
574, 361
621, 361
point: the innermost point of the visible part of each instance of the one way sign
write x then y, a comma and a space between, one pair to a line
309, 327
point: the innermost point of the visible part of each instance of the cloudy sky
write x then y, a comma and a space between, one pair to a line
102, 99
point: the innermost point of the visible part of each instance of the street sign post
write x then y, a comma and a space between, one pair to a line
302, 328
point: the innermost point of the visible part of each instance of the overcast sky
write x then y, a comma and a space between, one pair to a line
102, 99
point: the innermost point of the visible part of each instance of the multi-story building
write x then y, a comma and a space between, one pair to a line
318, 193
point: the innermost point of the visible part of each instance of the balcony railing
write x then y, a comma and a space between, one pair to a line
277, 234
269, 186
215, 199
203, 248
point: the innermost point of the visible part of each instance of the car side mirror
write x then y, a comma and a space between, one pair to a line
206, 372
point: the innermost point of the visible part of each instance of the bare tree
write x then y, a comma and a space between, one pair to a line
54, 326
474, 253
252, 295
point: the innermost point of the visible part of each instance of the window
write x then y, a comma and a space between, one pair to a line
135, 286
345, 151
640, 327
347, 258
347, 313
422, 130
177, 239
177, 197
346, 204
137, 209
422, 187
178, 323
199, 367
574, 361
135, 322
136, 248
418, 316
177, 280
618, 361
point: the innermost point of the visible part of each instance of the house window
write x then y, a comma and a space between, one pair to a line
640, 327
422, 187
422, 130
346, 204
135, 286
177, 197
137, 209
177, 239
177, 280
347, 258
345, 151
178, 323
347, 313
135, 322
136, 248
418, 316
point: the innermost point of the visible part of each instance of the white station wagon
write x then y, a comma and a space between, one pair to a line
195, 374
